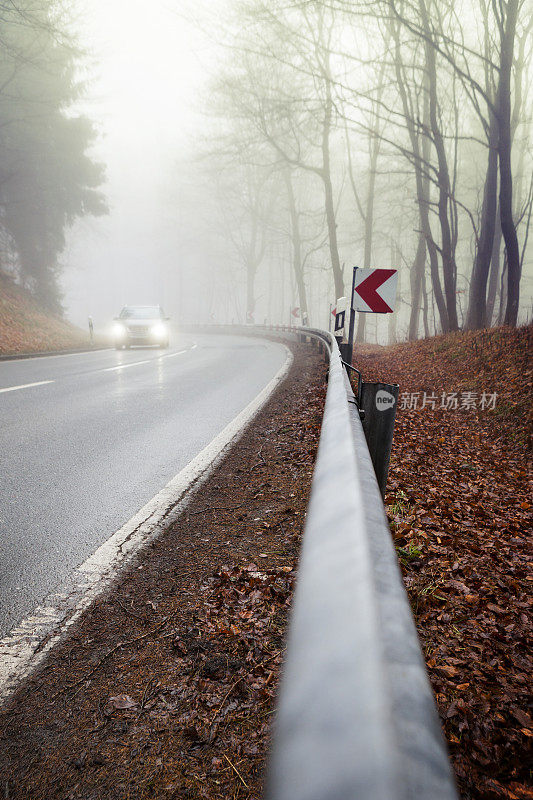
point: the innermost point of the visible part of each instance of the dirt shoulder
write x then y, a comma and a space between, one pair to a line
25, 327
459, 504
166, 687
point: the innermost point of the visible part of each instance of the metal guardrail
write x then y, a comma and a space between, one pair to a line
356, 717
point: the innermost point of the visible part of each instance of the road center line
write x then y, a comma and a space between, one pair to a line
125, 366
24, 386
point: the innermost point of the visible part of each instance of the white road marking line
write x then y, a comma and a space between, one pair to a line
40, 357
171, 355
22, 650
25, 386
125, 366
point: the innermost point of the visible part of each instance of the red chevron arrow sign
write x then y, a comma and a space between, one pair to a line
375, 290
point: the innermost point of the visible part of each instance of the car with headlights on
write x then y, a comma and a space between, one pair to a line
141, 325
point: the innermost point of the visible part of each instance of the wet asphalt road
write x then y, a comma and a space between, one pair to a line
96, 437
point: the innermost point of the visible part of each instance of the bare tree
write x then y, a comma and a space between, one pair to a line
498, 126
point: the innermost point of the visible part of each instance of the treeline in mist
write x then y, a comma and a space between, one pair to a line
46, 177
388, 133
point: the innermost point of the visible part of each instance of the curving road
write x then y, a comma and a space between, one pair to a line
87, 439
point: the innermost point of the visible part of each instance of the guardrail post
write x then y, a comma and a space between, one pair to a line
379, 402
346, 352
345, 349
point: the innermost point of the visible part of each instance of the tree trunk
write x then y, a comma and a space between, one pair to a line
449, 266
504, 151
503, 291
477, 316
415, 278
296, 247
395, 256
250, 298
251, 269
420, 160
374, 149
494, 269
328, 189
426, 305
369, 224
424, 195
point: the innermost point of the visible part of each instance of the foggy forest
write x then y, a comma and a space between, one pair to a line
326, 135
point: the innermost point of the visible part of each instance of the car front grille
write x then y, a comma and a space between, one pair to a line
138, 330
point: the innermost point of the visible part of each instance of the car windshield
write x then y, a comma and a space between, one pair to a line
141, 312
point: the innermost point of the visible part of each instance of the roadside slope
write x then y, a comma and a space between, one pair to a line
25, 327
459, 505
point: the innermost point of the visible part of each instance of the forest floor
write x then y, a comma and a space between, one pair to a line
167, 686
25, 327
459, 503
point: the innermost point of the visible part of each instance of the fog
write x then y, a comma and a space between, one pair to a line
145, 71
253, 153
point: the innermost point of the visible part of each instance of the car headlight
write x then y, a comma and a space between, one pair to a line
119, 330
159, 331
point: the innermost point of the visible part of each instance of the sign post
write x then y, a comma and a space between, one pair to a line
352, 320
374, 292
341, 325
340, 318
379, 402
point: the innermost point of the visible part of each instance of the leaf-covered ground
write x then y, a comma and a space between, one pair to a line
166, 688
27, 328
459, 501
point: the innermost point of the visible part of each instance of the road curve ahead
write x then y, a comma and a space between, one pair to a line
87, 439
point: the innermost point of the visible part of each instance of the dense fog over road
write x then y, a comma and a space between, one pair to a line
147, 71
